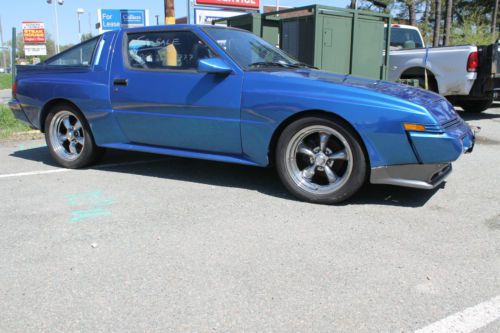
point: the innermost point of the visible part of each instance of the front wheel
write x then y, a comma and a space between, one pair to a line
320, 160
69, 139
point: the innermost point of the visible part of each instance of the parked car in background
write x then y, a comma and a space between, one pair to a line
466, 75
225, 94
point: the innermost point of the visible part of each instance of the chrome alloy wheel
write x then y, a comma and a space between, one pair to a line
319, 159
66, 135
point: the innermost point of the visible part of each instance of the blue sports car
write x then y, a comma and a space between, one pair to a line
226, 95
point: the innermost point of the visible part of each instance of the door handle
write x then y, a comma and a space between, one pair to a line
120, 82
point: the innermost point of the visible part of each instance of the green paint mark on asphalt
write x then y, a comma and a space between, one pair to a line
95, 198
79, 215
95, 203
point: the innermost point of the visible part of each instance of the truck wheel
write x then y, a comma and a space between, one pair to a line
320, 160
476, 106
69, 138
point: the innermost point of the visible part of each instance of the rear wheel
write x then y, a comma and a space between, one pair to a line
68, 137
320, 160
476, 106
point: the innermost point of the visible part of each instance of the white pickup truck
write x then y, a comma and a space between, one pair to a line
452, 71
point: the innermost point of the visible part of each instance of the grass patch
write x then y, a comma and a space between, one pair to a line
9, 124
5, 81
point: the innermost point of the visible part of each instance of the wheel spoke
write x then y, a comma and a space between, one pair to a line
77, 126
330, 174
80, 140
309, 172
341, 155
303, 149
72, 147
61, 138
66, 123
323, 140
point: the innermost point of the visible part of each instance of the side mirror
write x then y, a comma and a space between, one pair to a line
213, 66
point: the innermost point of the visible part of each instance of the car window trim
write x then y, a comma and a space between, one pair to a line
60, 54
125, 54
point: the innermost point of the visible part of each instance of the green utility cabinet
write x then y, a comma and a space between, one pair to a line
338, 40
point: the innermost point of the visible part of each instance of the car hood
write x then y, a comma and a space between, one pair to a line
435, 104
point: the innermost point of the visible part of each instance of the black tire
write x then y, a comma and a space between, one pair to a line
476, 106
340, 138
86, 150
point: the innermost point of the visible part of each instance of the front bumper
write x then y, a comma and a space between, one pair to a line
17, 110
435, 148
421, 176
434, 151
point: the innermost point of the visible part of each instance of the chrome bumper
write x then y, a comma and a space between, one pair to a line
422, 176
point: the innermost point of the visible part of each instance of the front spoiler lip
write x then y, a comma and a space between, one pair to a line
420, 176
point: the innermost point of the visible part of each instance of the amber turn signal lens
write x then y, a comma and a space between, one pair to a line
414, 127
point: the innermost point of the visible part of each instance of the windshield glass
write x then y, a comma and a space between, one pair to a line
248, 50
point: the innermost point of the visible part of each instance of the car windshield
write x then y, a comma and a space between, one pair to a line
250, 51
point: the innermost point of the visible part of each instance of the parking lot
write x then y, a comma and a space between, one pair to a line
154, 243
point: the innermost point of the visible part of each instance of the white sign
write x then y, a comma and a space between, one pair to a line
35, 50
33, 25
206, 16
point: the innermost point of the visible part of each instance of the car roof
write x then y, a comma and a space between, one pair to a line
404, 26
177, 27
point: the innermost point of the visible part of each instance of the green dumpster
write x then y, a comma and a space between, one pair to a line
338, 40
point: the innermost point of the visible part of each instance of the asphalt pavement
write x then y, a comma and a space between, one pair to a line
147, 243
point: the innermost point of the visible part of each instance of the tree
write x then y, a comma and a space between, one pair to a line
473, 30
87, 36
494, 20
437, 23
412, 11
448, 22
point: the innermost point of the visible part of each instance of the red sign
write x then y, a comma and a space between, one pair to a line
230, 3
33, 32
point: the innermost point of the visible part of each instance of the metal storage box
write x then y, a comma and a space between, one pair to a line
334, 39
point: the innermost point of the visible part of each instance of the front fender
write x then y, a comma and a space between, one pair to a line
378, 119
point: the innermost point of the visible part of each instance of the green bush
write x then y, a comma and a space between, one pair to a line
5, 81
9, 124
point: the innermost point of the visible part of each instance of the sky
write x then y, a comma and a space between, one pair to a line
13, 12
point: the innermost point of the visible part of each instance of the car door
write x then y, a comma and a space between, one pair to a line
159, 98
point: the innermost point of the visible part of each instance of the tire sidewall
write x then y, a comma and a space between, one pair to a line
88, 154
351, 186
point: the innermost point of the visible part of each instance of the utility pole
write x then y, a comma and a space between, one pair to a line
448, 22
55, 3
13, 56
437, 23
90, 24
170, 51
3, 50
79, 12
494, 21
169, 12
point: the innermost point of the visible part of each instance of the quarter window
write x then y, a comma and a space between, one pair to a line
79, 55
166, 50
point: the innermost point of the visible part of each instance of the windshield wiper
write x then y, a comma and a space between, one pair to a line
301, 65
267, 64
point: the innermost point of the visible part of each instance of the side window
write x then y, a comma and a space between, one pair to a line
79, 55
166, 50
